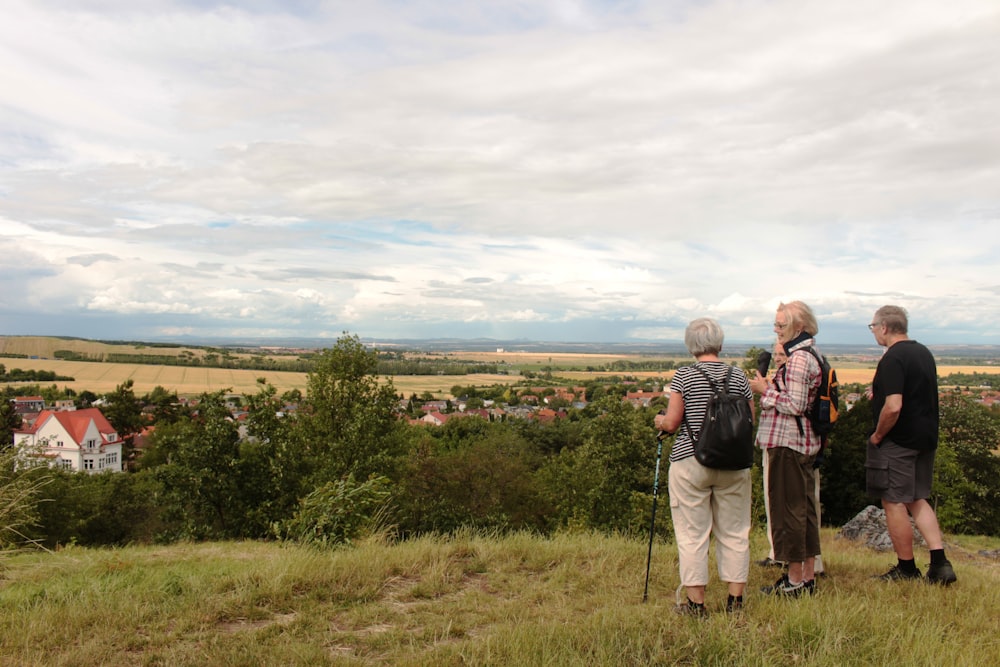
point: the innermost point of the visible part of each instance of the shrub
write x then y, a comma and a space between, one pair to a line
337, 512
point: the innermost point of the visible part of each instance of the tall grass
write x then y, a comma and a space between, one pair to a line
473, 599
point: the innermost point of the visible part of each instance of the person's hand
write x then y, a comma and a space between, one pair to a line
659, 420
758, 383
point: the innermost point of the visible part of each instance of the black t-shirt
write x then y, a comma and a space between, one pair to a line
908, 368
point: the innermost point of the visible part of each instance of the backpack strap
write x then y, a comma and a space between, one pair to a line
815, 354
715, 389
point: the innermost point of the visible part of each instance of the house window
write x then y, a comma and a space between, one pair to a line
88, 464
64, 464
113, 457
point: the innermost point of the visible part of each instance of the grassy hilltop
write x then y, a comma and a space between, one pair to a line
573, 599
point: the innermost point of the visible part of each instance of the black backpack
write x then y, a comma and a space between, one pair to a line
823, 411
725, 440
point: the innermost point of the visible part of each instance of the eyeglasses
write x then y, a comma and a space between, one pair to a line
780, 325
871, 327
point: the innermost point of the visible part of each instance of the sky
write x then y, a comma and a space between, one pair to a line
549, 170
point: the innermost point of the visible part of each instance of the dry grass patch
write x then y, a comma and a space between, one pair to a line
507, 600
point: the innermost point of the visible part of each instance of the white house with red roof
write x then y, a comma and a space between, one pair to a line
81, 440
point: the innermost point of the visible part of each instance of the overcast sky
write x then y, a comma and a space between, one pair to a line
564, 170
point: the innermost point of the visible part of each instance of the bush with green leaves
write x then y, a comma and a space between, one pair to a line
337, 513
485, 479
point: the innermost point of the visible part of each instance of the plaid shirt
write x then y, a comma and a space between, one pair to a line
790, 395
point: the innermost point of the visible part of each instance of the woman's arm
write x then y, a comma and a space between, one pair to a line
671, 421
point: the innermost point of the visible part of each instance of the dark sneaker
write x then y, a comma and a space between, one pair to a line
769, 590
692, 609
943, 574
770, 562
810, 587
734, 605
896, 573
784, 588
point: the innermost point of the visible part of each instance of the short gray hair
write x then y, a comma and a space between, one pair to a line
894, 318
703, 336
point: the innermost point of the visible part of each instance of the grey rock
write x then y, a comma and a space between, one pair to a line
869, 525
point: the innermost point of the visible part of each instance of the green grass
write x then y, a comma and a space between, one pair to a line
573, 599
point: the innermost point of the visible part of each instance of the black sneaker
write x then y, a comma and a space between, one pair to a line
784, 588
943, 574
897, 573
810, 587
769, 590
692, 609
734, 605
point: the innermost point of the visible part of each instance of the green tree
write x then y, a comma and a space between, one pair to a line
972, 432
485, 480
108, 509
124, 411
165, 405
85, 398
347, 418
201, 476
272, 466
292, 396
842, 473
605, 482
750, 359
10, 421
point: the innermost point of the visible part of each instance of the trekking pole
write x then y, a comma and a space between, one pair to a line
652, 520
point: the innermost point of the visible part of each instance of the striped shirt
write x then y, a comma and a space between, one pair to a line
690, 384
790, 395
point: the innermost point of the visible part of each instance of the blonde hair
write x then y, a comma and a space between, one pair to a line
798, 314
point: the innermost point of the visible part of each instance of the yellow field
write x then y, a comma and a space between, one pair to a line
46, 346
186, 381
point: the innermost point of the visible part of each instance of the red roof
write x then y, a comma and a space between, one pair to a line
75, 422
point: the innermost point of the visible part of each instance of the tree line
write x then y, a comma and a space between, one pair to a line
31, 375
386, 363
345, 460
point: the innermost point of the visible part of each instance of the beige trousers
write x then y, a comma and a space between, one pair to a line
703, 503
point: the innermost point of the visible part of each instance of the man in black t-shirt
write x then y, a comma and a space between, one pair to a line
900, 458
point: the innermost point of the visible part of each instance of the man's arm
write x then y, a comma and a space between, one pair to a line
887, 418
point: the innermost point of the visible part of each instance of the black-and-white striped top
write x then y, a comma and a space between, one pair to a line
690, 384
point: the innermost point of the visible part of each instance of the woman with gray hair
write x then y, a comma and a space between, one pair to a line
705, 501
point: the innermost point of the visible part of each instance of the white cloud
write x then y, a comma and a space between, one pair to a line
499, 168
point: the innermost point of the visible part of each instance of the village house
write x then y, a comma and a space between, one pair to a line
79, 440
642, 399
28, 404
435, 418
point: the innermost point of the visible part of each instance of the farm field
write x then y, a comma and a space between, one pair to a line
193, 380
188, 381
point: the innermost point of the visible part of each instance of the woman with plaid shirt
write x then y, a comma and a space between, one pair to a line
792, 446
